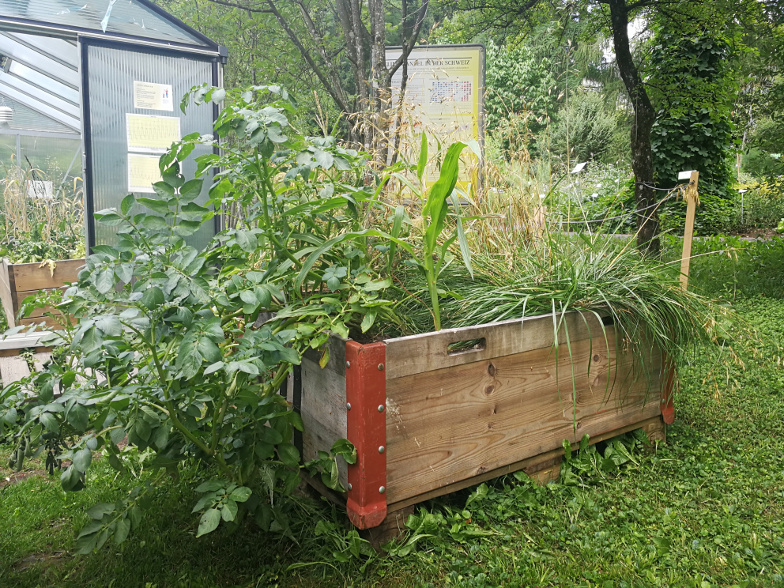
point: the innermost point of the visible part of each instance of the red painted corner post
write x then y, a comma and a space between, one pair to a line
668, 390
366, 428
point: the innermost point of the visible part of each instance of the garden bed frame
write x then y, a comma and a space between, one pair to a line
20, 280
426, 421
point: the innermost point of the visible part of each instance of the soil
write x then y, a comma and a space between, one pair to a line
19, 476
758, 234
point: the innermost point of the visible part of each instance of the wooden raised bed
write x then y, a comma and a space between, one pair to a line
20, 280
426, 422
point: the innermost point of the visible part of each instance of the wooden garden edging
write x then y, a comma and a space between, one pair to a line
20, 280
426, 422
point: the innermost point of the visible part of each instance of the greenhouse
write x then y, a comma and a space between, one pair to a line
90, 94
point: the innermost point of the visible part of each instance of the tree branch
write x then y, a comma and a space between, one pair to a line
332, 86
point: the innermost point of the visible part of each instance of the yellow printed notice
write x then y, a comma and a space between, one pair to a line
151, 134
143, 172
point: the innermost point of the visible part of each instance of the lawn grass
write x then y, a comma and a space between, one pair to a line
706, 509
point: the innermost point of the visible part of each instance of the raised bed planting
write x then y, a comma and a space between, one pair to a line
427, 421
20, 280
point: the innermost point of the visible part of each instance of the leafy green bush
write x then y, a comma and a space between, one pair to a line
171, 351
585, 126
761, 206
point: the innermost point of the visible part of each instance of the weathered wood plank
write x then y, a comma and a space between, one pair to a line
531, 462
422, 353
31, 276
22, 340
40, 359
5, 294
13, 369
458, 422
323, 409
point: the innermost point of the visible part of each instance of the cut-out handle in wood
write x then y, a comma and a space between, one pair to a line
466, 346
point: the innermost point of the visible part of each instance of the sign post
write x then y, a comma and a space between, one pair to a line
692, 200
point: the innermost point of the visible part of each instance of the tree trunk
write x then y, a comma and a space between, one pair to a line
644, 116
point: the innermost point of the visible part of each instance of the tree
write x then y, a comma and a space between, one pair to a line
343, 43
613, 16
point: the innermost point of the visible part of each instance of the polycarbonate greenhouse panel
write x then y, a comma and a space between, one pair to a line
28, 119
113, 98
40, 82
44, 83
126, 17
57, 58
54, 160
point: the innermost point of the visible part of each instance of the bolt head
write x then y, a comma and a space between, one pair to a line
381, 367
381, 490
380, 408
350, 487
381, 449
348, 364
348, 406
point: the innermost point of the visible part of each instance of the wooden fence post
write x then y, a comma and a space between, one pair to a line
692, 200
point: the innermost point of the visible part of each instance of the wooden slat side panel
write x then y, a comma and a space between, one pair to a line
336, 347
6, 295
31, 276
455, 423
423, 353
323, 411
13, 369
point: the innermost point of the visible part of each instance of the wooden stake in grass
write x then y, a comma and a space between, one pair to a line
692, 200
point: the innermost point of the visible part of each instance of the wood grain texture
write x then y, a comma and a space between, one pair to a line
5, 294
534, 463
13, 369
457, 422
31, 276
423, 353
323, 410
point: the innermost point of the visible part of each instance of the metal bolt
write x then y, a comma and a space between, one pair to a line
350, 487
380, 408
348, 364
348, 406
381, 490
381, 367
381, 449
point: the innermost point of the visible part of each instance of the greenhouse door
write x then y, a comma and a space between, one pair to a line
131, 112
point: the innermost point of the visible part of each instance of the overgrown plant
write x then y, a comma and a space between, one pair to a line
172, 352
37, 221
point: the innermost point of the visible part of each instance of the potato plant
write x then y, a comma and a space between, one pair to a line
181, 352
